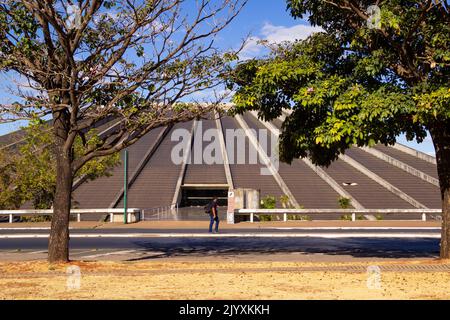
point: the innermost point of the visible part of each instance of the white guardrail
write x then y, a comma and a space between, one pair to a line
134, 214
285, 212
111, 212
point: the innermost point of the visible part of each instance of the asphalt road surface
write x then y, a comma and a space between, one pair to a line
266, 244
345, 231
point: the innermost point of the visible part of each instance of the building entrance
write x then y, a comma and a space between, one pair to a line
198, 197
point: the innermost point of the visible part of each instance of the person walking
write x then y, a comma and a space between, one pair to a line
213, 215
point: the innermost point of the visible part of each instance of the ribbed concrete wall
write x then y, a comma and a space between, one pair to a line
424, 192
367, 192
156, 184
307, 187
100, 192
414, 162
201, 173
248, 176
365, 189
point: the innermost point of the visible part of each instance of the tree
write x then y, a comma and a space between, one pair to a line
9, 198
373, 73
27, 168
131, 61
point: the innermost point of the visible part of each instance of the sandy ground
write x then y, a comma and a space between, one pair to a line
221, 280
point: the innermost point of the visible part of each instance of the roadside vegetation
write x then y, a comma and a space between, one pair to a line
28, 169
368, 77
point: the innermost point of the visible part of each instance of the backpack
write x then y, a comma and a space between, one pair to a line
208, 208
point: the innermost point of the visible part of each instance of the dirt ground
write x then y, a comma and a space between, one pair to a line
224, 280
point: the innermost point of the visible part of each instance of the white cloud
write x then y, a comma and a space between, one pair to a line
276, 34
251, 48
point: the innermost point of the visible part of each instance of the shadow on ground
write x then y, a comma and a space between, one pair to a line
355, 247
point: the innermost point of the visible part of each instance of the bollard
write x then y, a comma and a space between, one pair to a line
78, 217
284, 217
424, 216
353, 216
10, 218
251, 217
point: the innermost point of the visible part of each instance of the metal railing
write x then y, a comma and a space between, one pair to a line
169, 212
421, 213
78, 212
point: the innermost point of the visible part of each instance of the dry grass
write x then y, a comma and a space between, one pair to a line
221, 280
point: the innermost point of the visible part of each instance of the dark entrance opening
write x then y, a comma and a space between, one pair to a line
198, 197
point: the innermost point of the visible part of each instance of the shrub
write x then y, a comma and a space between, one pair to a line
268, 202
346, 217
36, 218
299, 217
344, 202
265, 217
284, 200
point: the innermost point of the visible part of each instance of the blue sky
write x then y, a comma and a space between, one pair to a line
262, 20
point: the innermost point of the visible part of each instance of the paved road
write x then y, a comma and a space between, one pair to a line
267, 244
257, 231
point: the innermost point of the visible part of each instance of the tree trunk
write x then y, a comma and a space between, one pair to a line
441, 140
58, 246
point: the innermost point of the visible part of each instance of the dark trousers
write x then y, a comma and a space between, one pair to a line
211, 222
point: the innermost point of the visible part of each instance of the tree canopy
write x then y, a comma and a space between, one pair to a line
375, 72
353, 85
